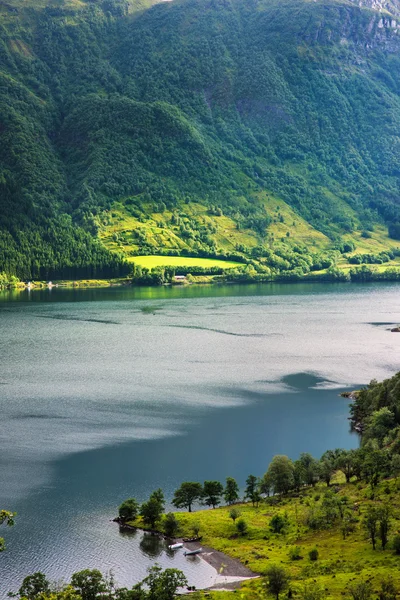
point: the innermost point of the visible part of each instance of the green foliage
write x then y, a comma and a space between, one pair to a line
188, 493
89, 583
252, 491
231, 492
281, 474
388, 590
176, 106
152, 510
212, 492
163, 585
278, 523
295, 553
242, 527
313, 554
92, 585
6, 518
171, 525
277, 580
34, 585
361, 590
234, 514
313, 591
396, 543
128, 510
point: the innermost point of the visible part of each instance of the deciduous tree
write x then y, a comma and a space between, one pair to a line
187, 494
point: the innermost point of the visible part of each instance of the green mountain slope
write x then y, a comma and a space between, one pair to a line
258, 130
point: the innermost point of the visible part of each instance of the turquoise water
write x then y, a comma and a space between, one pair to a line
111, 393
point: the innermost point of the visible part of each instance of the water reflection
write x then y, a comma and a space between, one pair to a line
152, 545
126, 533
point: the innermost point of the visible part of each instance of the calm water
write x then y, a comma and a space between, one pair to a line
106, 394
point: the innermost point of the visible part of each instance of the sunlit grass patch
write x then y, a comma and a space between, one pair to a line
150, 262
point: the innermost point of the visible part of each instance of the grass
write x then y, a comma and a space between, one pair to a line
341, 561
121, 231
150, 262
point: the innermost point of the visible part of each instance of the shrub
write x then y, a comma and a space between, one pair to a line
234, 514
396, 544
313, 554
242, 527
294, 553
277, 523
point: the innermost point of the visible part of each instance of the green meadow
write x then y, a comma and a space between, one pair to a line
150, 262
341, 561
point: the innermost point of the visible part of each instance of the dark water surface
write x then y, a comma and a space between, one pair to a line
111, 393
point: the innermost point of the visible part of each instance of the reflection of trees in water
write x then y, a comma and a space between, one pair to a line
127, 533
151, 545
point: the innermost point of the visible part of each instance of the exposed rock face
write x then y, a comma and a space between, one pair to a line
385, 6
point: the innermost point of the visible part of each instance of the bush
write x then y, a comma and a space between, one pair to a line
234, 514
242, 527
294, 553
277, 524
313, 554
396, 544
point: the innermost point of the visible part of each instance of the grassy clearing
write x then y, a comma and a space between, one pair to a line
286, 220
121, 231
340, 562
150, 262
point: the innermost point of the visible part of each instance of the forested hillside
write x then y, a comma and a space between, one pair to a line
257, 130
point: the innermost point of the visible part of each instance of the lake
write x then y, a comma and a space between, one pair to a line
112, 393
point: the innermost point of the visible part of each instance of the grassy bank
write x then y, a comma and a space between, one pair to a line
341, 561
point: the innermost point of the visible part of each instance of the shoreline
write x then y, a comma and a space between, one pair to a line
200, 280
231, 570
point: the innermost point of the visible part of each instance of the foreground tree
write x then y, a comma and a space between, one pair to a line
89, 583
388, 590
231, 492
6, 518
212, 492
361, 590
277, 580
163, 585
313, 591
187, 494
33, 585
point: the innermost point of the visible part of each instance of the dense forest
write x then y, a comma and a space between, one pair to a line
228, 104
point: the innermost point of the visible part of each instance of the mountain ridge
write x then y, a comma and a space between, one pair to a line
229, 105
